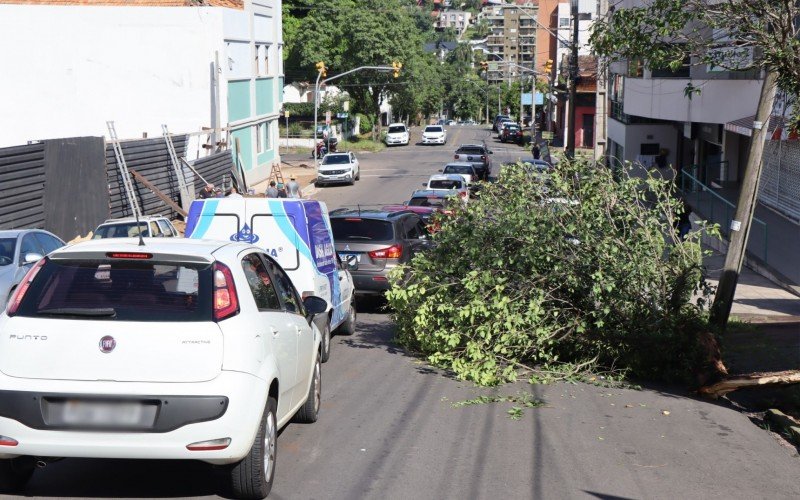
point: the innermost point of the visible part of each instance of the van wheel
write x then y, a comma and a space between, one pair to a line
252, 477
15, 473
326, 343
309, 412
349, 325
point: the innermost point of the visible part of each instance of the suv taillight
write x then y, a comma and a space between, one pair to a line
226, 302
19, 293
392, 252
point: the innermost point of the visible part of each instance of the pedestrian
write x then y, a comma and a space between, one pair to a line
272, 191
234, 193
536, 151
683, 223
293, 188
281, 190
207, 192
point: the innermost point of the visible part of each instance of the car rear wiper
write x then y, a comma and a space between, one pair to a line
90, 312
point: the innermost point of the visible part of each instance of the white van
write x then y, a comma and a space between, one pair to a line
297, 234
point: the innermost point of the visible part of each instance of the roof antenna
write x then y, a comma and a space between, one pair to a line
138, 227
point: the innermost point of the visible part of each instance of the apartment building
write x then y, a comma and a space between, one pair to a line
458, 20
141, 64
512, 38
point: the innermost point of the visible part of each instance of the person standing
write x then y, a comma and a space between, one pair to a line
272, 191
207, 192
537, 153
293, 188
234, 193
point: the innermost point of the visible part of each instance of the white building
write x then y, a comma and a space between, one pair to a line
77, 66
457, 19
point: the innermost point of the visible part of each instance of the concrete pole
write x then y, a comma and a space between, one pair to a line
740, 226
573, 90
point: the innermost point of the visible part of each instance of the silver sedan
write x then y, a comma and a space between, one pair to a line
19, 250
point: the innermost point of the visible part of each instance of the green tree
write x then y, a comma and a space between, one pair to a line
467, 98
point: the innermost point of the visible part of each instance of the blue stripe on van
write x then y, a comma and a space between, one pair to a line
204, 220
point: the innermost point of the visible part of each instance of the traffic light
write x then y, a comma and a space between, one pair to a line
322, 69
548, 66
484, 66
396, 67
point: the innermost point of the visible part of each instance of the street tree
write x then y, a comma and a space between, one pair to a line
733, 35
467, 97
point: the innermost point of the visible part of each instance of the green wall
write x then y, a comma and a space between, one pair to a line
238, 100
265, 101
246, 142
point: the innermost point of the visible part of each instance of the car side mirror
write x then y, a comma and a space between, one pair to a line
32, 258
314, 305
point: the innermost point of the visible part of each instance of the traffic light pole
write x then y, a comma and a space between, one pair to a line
394, 68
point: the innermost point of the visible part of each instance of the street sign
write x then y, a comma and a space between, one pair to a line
547, 136
327, 118
341, 115
493, 65
286, 113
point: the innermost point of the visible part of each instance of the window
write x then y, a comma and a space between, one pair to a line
48, 242
266, 60
7, 246
155, 230
164, 226
267, 137
361, 230
584, 16
412, 228
29, 245
260, 283
260, 133
288, 295
563, 22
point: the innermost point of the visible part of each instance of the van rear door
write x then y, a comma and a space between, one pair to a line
218, 220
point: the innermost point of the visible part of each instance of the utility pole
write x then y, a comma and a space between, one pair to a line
573, 77
740, 226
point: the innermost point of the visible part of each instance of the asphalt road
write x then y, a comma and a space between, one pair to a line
388, 428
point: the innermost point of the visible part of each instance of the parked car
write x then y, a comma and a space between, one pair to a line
464, 169
479, 156
20, 249
179, 349
151, 226
338, 168
497, 120
296, 233
511, 133
449, 182
434, 134
502, 126
373, 242
451, 122
397, 134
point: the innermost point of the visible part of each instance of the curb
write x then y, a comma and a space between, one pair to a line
309, 190
785, 424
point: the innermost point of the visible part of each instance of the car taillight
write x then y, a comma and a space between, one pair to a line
483, 157
226, 302
19, 293
463, 194
392, 252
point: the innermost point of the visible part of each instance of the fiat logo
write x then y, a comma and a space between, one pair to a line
107, 344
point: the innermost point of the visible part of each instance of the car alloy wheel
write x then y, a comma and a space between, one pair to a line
270, 445
317, 386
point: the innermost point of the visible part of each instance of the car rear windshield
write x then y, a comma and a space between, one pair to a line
470, 151
445, 184
433, 128
458, 169
336, 159
122, 230
360, 229
120, 290
426, 202
7, 251
397, 129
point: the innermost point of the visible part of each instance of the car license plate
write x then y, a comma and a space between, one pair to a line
102, 414
347, 256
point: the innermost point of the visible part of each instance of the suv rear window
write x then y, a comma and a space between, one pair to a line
120, 290
470, 151
359, 229
427, 202
459, 169
445, 184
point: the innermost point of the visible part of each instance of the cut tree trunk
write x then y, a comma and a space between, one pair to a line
750, 380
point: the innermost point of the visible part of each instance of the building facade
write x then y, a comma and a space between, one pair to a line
512, 38
458, 20
214, 67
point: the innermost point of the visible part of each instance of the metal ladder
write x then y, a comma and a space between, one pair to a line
182, 186
123, 168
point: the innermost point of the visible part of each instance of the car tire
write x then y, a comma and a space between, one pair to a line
309, 412
15, 473
325, 344
348, 326
252, 477
358, 175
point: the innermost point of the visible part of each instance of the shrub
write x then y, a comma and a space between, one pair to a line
572, 268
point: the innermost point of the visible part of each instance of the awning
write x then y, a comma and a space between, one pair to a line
744, 126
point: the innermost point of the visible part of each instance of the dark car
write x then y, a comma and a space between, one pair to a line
479, 156
373, 242
431, 198
497, 120
511, 133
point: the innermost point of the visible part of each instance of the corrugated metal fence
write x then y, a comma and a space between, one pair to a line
22, 187
780, 179
150, 158
215, 169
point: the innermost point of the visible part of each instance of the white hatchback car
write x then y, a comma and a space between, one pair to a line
397, 134
178, 349
434, 134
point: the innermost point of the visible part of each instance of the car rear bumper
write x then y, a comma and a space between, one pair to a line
371, 283
428, 140
238, 416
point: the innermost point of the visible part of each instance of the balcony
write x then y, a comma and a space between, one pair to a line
664, 99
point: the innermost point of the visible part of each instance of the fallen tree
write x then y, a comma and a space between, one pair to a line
750, 380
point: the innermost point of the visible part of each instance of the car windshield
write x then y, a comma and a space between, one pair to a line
421, 201
122, 230
458, 169
433, 128
7, 251
336, 160
360, 229
120, 290
445, 184
397, 129
470, 151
